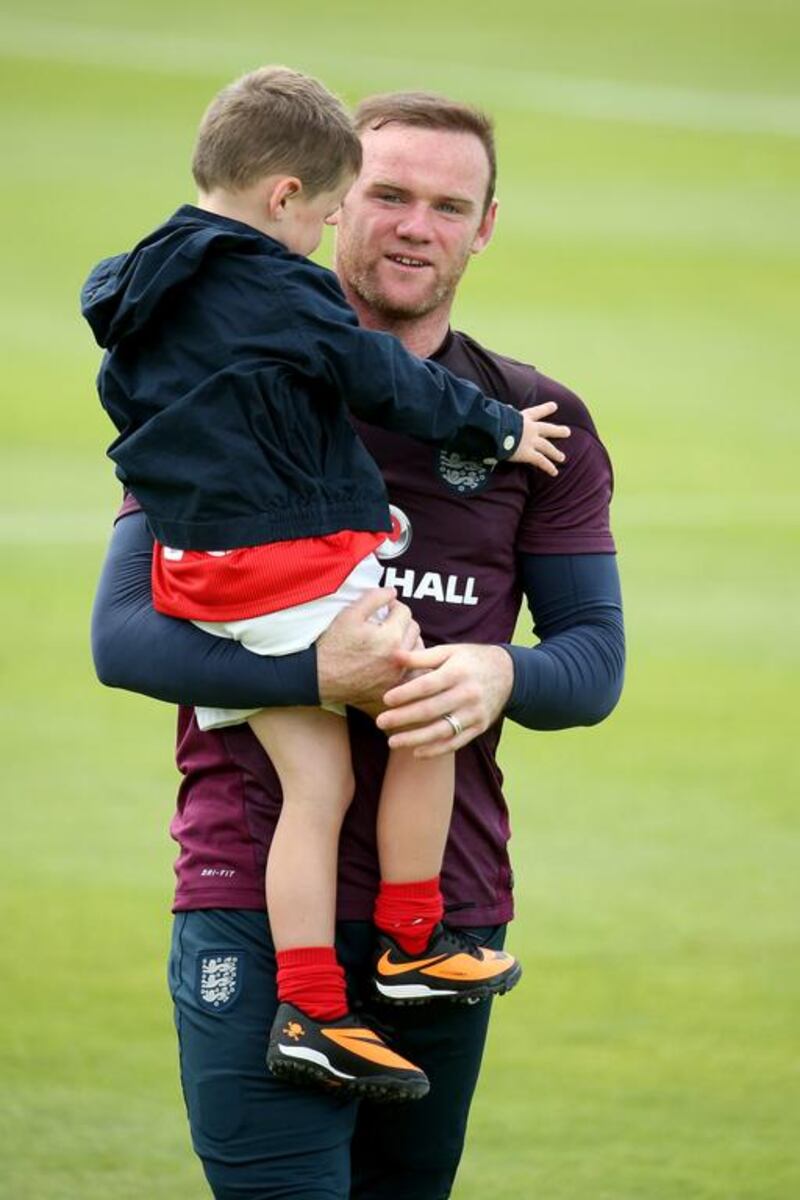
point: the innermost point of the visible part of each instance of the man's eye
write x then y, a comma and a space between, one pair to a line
391, 196
445, 206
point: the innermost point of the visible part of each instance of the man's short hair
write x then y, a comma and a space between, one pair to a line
275, 121
428, 110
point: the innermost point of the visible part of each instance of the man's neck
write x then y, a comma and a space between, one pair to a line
420, 335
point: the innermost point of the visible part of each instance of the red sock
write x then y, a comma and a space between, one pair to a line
311, 978
408, 912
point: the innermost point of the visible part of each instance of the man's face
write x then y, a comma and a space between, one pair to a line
412, 219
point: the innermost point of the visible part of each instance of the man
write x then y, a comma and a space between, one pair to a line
469, 540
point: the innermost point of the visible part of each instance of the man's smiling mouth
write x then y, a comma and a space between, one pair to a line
406, 260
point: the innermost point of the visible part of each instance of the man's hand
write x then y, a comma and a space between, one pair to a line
356, 655
535, 447
470, 683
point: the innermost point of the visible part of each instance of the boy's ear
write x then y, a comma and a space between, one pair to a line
280, 193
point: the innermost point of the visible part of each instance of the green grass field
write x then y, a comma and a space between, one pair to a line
647, 254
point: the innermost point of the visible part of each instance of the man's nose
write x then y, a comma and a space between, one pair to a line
415, 225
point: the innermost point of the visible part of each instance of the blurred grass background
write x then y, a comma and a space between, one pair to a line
647, 254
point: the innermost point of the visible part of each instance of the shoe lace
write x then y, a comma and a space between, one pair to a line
463, 940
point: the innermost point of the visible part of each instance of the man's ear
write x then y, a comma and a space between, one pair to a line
485, 230
280, 192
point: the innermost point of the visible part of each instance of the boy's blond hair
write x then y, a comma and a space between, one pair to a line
275, 121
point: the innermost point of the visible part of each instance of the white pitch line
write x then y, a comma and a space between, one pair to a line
706, 512
79, 528
700, 109
701, 513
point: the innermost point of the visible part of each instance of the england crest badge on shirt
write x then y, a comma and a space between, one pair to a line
462, 475
219, 978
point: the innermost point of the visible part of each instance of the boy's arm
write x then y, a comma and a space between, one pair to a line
384, 384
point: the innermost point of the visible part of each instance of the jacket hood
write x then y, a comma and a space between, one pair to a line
123, 293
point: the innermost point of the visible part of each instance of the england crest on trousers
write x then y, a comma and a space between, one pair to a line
219, 978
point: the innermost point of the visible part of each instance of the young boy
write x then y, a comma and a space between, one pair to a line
231, 363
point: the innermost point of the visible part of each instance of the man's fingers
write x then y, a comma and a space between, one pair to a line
399, 631
427, 680
437, 730
411, 640
423, 660
372, 602
435, 749
398, 616
414, 716
472, 686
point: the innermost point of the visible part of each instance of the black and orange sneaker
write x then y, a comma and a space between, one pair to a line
453, 966
344, 1055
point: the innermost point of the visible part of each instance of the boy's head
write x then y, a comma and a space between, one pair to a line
278, 150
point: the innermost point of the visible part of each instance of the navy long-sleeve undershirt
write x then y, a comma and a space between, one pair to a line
136, 648
573, 677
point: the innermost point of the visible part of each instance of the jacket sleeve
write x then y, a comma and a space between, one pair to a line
136, 648
575, 675
385, 385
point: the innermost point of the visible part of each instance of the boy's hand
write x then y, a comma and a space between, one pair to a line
535, 447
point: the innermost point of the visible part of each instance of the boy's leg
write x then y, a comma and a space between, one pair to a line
257, 1137
414, 815
412, 1152
314, 1039
419, 960
310, 750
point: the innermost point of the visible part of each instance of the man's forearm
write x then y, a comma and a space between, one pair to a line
576, 679
138, 649
575, 675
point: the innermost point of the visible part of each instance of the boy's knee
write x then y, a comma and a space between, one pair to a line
338, 787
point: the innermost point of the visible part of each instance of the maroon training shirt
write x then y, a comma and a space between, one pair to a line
458, 526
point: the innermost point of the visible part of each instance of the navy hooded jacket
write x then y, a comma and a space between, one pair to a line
230, 367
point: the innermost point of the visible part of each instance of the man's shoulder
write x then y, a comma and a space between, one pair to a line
509, 380
571, 409
521, 383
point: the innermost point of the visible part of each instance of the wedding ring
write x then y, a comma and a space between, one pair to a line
454, 724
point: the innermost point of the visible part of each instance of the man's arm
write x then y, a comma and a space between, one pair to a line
136, 648
573, 677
